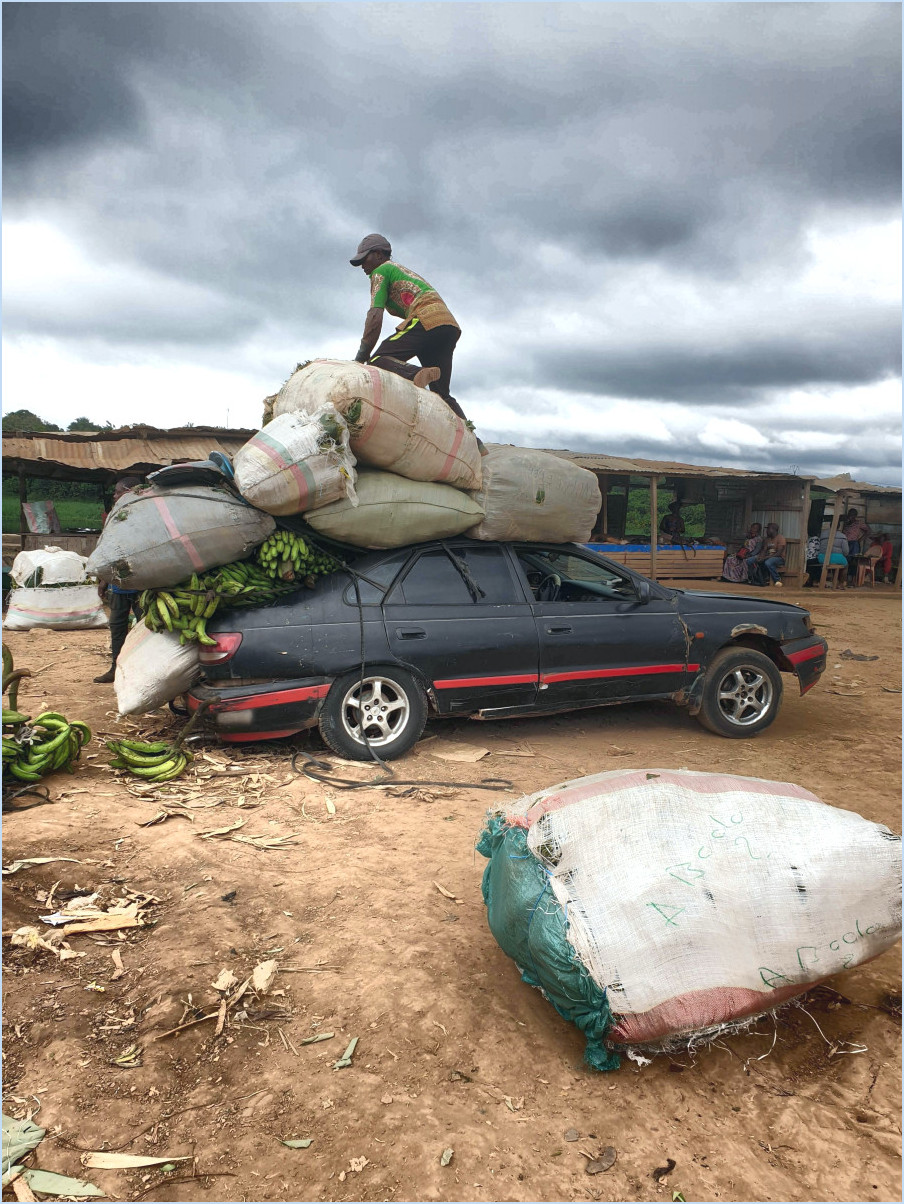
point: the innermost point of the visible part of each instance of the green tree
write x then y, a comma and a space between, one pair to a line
83, 424
25, 420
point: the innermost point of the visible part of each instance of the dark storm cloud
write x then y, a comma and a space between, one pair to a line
831, 354
241, 150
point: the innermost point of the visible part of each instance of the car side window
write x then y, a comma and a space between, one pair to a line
489, 570
433, 580
374, 582
559, 576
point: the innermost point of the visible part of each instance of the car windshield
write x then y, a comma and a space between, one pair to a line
559, 575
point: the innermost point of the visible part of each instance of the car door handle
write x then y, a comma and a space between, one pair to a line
411, 633
558, 630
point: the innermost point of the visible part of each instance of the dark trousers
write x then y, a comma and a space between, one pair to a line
121, 607
434, 348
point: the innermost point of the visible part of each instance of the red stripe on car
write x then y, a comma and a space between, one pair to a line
631, 671
514, 679
806, 654
254, 701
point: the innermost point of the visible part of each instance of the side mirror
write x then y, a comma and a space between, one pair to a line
643, 591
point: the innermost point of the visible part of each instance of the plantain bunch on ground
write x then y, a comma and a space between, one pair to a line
186, 608
154, 762
285, 556
34, 748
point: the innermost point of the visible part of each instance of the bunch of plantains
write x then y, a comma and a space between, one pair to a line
287, 557
34, 748
187, 607
156, 762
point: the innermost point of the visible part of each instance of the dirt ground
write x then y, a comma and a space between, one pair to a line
453, 1051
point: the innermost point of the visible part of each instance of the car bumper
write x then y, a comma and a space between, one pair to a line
260, 712
807, 659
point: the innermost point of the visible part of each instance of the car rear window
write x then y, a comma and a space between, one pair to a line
433, 579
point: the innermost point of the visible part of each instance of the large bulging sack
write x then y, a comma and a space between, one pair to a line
159, 537
392, 423
299, 462
393, 511
152, 669
48, 566
529, 494
58, 607
653, 906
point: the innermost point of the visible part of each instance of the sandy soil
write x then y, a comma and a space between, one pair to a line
453, 1051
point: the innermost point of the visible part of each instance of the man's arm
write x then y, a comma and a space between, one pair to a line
373, 324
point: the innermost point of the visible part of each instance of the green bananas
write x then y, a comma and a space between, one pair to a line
34, 748
284, 562
43, 745
155, 762
287, 557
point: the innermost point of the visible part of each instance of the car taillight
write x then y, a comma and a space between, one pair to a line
225, 648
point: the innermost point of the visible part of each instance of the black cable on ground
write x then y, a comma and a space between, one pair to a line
498, 784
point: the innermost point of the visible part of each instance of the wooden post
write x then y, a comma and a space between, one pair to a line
23, 498
654, 525
603, 479
804, 522
837, 509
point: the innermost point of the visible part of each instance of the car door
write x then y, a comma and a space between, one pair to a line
460, 615
599, 639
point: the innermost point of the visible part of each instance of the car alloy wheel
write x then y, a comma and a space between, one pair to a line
745, 696
389, 707
742, 693
376, 709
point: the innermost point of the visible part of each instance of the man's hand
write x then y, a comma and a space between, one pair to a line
361, 357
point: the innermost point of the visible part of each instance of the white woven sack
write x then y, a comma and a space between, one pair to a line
393, 511
158, 537
56, 566
299, 462
531, 494
152, 669
392, 423
695, 900
58, 607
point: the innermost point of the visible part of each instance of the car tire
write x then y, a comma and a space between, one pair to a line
398, 711
742, 693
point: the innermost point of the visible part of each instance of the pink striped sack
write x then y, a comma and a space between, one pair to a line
656, 907
158, 537
392, 423
298, 462
58, 607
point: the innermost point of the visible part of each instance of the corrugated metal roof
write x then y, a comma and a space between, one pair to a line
597, 462
843, 483
100, 455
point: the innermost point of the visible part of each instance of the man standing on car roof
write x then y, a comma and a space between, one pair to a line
427, 330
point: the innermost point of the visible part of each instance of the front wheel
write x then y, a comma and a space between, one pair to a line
386, 711
742, 693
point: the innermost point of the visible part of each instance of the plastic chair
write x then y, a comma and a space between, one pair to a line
866, 571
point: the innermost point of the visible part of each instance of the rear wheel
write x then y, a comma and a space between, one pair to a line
387, 711
742, 693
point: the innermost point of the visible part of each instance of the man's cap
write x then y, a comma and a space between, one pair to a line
371, 242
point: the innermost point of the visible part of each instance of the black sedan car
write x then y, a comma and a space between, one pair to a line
494, 630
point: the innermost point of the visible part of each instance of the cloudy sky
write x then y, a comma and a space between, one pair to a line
667, 230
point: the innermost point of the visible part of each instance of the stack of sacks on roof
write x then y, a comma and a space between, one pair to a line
534, 495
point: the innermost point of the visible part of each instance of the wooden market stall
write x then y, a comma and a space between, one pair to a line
98, 457
733, 498
878, 505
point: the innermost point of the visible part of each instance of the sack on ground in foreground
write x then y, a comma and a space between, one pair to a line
655, 907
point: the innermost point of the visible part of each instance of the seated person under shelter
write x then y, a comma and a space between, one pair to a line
735, 567
838, 557
671, 528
